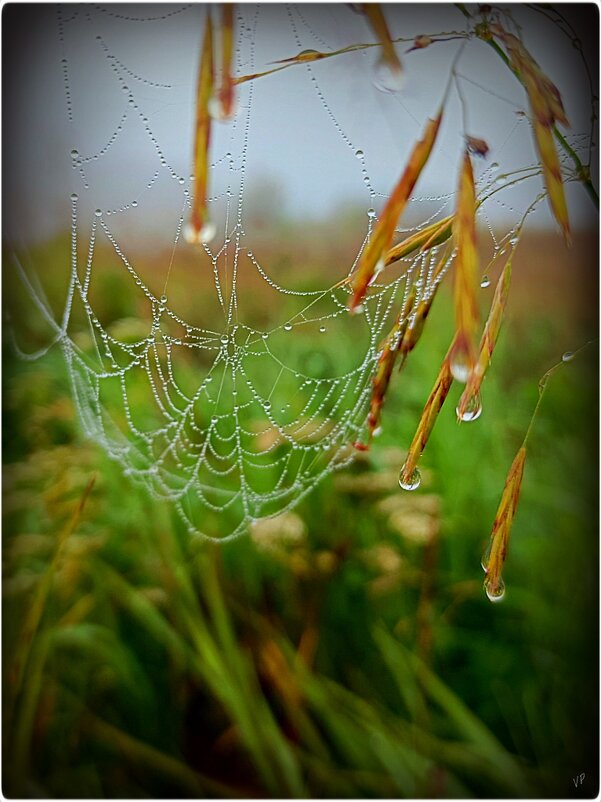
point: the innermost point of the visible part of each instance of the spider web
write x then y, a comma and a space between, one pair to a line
227, 414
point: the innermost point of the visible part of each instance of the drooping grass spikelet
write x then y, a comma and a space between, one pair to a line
547, 108
226, 90
469, 401
390, 59
495, 556
199, 229
429, 237
409, 478
463, 353
373, 257
385, 365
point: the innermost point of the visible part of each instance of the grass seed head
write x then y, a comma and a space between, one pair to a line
496, 554
462, 358
375, 253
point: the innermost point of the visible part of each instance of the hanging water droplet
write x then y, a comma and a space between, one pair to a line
214, 419
359, 154
494, 167
371, 213
134, 203
74, 154
98, 212
501, 180
412, 482
494, 590
267, 405
322, 329
366, 180
264, 336
514, 240
460, 367
307, 54
287, 327
485, 282
163, 299
74, 196
224, 339
472, 411
568, 356
388, 77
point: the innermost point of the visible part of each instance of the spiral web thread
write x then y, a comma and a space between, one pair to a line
261, 424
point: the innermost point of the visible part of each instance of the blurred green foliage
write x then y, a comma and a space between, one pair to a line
344, 650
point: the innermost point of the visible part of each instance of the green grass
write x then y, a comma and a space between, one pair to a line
360, 658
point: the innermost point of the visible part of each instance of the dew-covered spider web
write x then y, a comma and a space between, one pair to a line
234, 379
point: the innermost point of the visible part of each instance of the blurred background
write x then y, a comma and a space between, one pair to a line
345, 648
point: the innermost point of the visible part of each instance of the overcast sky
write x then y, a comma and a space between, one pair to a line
301, 127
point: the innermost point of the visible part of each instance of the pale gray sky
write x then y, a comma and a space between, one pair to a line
294, 139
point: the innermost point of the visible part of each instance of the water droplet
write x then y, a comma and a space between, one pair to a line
322, 329
568, 356
287, 327
214, 419
194, 236
74, 196
98, 212
485, 282
267, 405
181, 180
163, 299
377, 432
388, 77
472, 411
309, 53
357, 310
501, 180
134, 203
359, 154
74, 154
494, 590
412, 482
460, 367
514, 240
264, 336
494, 167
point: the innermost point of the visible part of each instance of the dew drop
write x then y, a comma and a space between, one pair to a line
214, 419
494, 590
366, 180
485, 282
287, 327
413, 482
224, 338
322, 329
472, 411
134, 203
307, 53
388, 77
357, 310
460, 367
264, 336
494, 167
371, 213
501, 180
163, 299
359, 154
74, 154
74, 196
376, 433
568, 356
98, 212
